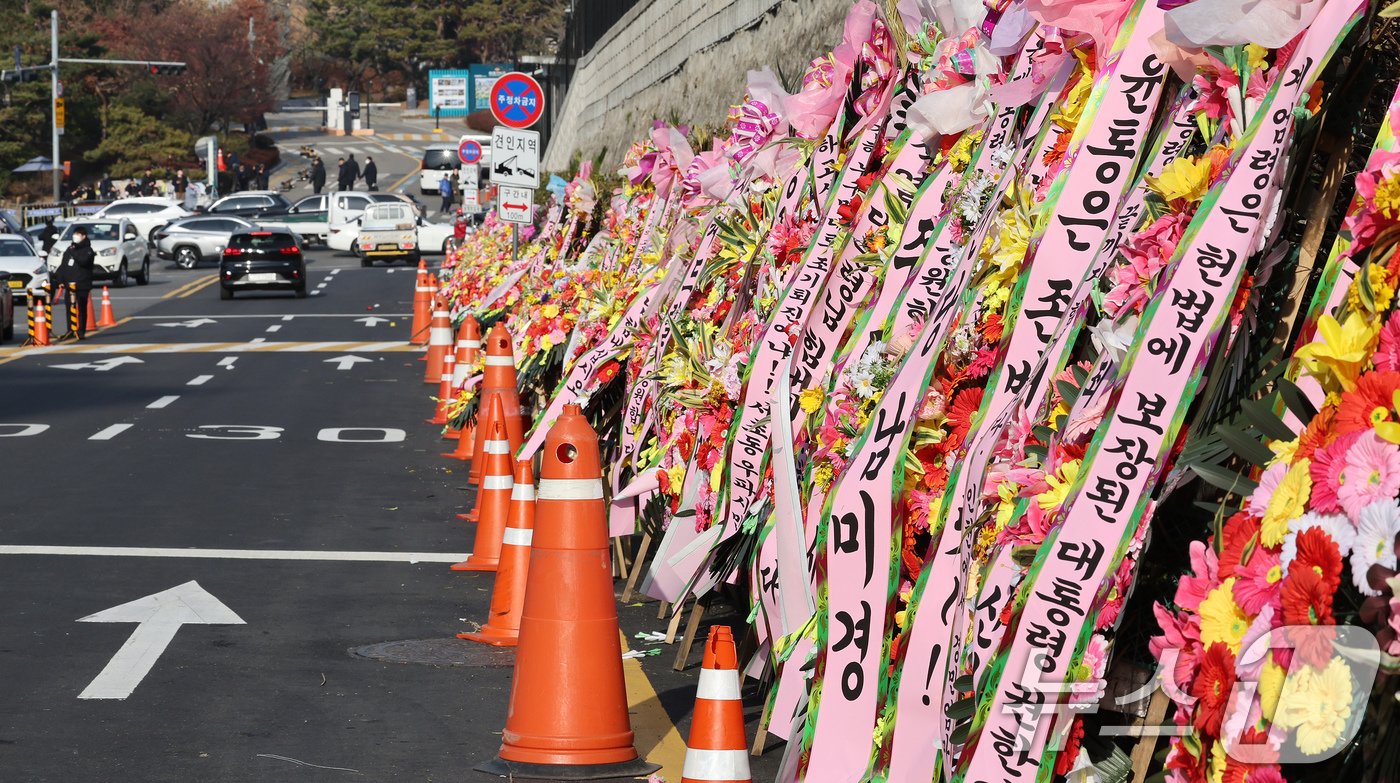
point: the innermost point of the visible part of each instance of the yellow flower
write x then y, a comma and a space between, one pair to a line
550, 311
1073, 106
717, 476
1317, 704
811, 400
676, 475
1006, 503
1341, 352
1387, 198
1256, 54
823, 475
1186, 178
1381, 292
1288, 502
1271, 678
1219, 759
1222, 620
1060, 482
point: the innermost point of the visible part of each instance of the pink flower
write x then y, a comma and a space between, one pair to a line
1326, 470
1388, 352
1181, 634
1372, 473
1192, 588
1364, 224
1253, 589
1258, 503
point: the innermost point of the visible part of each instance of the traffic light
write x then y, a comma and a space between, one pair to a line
23, 75
167, 69
354, 100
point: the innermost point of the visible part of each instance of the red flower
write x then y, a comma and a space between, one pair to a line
685, 442
847, 212
1065, 758
663, 480
992, 328
1241, 533
963, 409
1317, 551
608, 372
1373, 391
1214, 681
1308, 602
1317, 434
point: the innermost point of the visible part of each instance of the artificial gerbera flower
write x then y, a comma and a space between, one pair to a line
1222, 620
1186, 179
1336, 526
1317, 550
1372, 473
1290, 500
1317, 434
1317, 703
1387, 356
1307, 602
1240, 536
1368, 404
1327, 471
1377, 527
1259, 499
1257, 582
1212, 687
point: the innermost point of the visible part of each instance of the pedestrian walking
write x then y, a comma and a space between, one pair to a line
75, 272
371, 174
105, 188
48, 235
318, 176
181, 184
354, 168
445, 190
262, 176
342, 175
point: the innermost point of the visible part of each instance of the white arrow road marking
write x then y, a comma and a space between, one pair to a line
191, 324
100, 365
347, 361
158, 618
371, 320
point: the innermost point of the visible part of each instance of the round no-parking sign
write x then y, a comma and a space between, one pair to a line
468, 150
517, 100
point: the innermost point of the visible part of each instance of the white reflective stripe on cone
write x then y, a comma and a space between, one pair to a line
716, 764
500, 361
497, 482
445, 378
571, 489
460, 371
718, 685
472, 343
517, 536
497, 447
523, 492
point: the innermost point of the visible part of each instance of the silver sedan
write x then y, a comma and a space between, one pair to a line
188, 241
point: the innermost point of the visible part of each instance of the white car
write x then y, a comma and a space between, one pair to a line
22, 261
121, 253
146, 213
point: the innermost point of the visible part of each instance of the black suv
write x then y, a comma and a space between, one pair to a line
262, 260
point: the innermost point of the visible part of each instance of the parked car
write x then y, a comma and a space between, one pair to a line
190, 240
146, 213
20, 261
118, 248
309, 218
262, 260
440, 160
248, 203
7, 308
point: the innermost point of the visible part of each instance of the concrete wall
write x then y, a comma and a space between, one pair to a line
684, 61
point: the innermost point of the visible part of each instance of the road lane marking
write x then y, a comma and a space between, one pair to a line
163, 402
392, 346
288, 317
200, 287
236, 554
200, 380
227, 362
274, 328
181, 290
107, 433
656, 736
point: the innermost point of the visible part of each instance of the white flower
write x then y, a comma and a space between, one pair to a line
1376, 528
862, 384
1335, 525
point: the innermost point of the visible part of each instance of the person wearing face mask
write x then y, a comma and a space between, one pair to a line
75, 271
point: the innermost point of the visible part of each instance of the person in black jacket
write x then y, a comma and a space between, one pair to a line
48, 235
75, 270
371, 174
342, 175
352, 171
318, 176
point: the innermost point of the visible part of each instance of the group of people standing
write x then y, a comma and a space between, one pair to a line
348, 172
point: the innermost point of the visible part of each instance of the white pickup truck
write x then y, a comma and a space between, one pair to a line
388, 231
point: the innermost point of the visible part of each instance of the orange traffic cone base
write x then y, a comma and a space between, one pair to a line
633, 768
474, 563
491, 636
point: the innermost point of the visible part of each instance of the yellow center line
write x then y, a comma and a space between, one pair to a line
657, 739
192, 283
197, 287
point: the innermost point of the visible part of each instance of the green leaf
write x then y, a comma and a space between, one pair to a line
959, 734
1247, 447
1296, 401
962, 709
1225, 479
1068, 392
1260, 415
963, 683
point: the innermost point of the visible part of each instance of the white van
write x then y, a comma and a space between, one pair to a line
440, 160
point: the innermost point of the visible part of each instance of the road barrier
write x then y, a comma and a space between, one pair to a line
717, 751
108, 319
493, 496
422, 306
498, 380
439, 341
38, 319
444, 399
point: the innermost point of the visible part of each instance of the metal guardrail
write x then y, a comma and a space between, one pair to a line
33, 214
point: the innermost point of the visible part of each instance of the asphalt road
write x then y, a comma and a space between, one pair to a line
232, 444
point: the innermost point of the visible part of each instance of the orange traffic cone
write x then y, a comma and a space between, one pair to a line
492, 499
487, 414
107, 319
468, 341
502, 627
444, 391
568, 703
92, 314
717, 751
466, 444
498, 380
39, 310
422, 309
439, 343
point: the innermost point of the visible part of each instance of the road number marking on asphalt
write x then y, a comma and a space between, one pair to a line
22, 430
107, 433
163, 402
385, 435
200, 380
158, 618
235, 432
